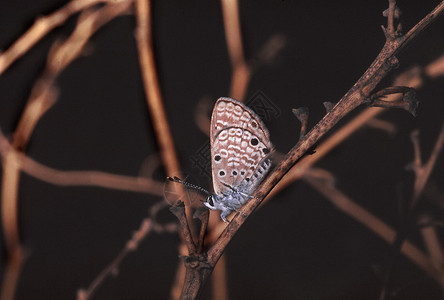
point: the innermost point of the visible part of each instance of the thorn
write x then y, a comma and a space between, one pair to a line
408, 101
328, 105
302, 115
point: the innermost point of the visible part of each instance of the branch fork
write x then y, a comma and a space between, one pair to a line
408, 101
357, 95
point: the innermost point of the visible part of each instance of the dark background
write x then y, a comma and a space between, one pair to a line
296, 247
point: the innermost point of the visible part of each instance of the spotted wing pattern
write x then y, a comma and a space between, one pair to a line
240, 146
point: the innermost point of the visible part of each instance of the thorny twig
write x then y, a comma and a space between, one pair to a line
414, 77
361, 90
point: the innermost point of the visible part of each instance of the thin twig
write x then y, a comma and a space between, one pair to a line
385, 61
152, 89
423, 172
349, 207
79, 178
42, 97
179, 211
413, 78
240, 71
42, 27
147, 226
431, 241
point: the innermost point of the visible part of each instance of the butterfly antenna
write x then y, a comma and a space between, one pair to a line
189, 185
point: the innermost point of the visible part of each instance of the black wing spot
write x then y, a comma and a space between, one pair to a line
221, 173
217, 157
266, 150
254, 141
234, 172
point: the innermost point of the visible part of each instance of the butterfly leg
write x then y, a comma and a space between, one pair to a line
224, 214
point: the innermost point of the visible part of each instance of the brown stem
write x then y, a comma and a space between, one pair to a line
348, 206
423, 171
240, 70
179, 211
156, 109
42, 97
147, 226
302, 115
431, 241
77, 178
42, 27
152, 89
219, 280
353, 98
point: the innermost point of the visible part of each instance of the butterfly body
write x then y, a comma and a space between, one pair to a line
240, 150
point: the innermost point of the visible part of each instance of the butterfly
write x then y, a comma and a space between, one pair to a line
240, 156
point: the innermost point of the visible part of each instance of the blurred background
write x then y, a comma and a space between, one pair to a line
298, 245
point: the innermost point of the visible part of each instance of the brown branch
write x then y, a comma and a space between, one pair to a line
413, 78
219, 290
431, 241
302, 115
11, 273
42, 27
240, 71
361, 90
201, 113
42, 97
179, 211
157, 112
147, 226
434, 194
152, 89
179, 277
384, 125
78, 178
422, 172
374, 224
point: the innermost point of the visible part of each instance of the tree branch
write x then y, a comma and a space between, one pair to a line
362, 89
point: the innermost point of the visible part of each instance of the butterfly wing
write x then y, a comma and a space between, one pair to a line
240, 144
